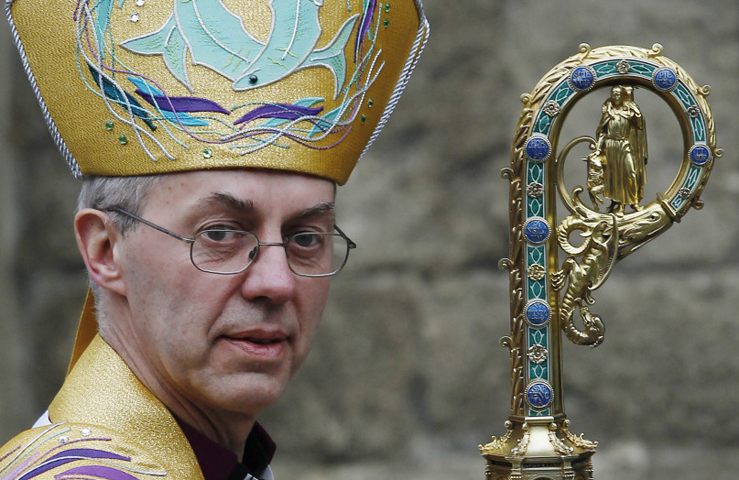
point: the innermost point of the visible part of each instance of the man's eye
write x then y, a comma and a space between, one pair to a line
307, 240
217, 234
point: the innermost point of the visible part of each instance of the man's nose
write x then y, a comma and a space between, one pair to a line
269, 276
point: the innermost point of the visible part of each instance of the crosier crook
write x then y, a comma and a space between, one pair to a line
544, 295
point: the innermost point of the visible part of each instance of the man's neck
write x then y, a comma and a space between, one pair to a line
228, 429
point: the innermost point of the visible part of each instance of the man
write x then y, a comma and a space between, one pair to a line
210, 136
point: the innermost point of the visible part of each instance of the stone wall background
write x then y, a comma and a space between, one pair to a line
407, 376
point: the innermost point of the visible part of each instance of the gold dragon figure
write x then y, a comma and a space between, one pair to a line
598, 252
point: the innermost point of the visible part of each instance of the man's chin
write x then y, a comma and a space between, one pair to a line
251, 392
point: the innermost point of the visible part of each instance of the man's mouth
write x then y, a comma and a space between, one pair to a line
262, 346
262, 341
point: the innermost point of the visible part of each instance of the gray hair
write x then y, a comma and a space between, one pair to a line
129, 193
102, 193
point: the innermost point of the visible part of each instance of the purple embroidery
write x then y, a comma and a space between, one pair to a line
285, 111
96, 471
89, 453
346, 131
9, 453
183, 104
71, 455
21, 466
364, 27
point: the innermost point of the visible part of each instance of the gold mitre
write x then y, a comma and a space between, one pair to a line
134, 87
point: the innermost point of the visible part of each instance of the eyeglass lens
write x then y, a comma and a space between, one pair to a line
232, 251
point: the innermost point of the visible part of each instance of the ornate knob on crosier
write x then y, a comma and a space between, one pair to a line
549, 297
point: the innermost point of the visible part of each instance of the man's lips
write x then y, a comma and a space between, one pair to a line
264, 345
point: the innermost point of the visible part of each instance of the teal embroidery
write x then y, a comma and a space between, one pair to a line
216, 39
116, 95
183, 118
213, 37
102, 20
331, 57
212, 34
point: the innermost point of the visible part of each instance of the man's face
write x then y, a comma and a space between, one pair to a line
223, 343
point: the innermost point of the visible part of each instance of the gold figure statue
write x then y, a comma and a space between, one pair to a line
621, 152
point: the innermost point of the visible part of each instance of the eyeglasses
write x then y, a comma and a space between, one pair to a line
225, 251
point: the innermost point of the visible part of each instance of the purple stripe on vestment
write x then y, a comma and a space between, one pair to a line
68, 456
9, 453
285, 111
183, 104
98, 471
89, 453
22, 466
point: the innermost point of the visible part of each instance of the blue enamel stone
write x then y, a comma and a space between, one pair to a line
538, 313
536, 230
582, 78
700, 155
665, 79
539, 395
538, 149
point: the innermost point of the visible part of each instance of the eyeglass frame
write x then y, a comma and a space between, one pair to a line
349, 244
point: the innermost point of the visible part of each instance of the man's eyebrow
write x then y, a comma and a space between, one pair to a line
247, 206
316, 210
227, 200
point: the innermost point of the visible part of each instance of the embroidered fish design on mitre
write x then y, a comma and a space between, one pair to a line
132, 87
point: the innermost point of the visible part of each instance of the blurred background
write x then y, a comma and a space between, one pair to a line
407, 376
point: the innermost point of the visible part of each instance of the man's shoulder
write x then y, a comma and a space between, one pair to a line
74, 450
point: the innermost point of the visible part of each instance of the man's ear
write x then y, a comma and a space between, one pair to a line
99, 242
